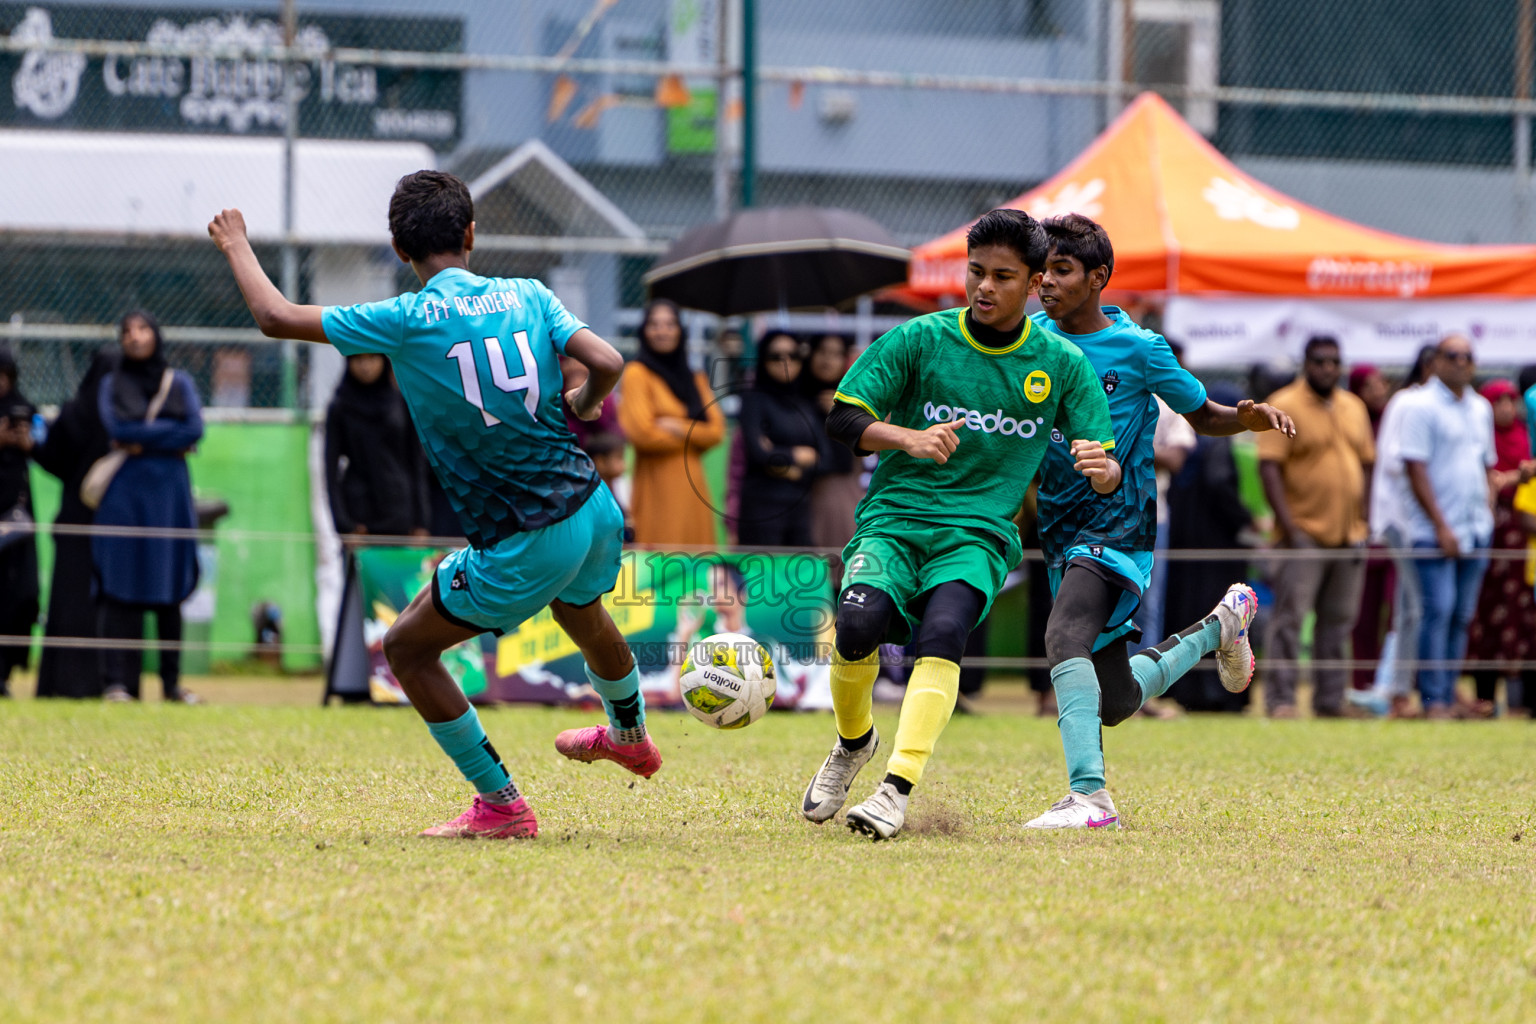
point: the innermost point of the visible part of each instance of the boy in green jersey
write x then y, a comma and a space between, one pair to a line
961, 406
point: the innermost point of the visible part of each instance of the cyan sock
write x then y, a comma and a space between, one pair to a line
624, 703
1077, 702
464, 740
1157, 668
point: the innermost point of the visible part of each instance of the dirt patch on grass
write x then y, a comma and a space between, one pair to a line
936, 820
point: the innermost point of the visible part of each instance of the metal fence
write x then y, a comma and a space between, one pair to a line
597, 132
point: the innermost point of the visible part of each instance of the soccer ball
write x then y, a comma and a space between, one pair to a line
728, 681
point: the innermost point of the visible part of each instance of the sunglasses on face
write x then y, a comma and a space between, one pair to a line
792, 357
1457, 357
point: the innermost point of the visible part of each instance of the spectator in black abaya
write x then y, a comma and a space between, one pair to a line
375, 470
1205, 510
18, 544
139, 575
76, 439
785, 444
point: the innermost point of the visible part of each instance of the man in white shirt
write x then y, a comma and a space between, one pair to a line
1446, 444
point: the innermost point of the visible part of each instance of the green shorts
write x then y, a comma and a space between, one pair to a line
906, 558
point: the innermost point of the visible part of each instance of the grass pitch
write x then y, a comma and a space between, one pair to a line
259, 863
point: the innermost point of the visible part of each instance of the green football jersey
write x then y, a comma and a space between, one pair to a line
930, 370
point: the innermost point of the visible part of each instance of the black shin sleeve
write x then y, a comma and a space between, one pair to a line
1083, 605
1119, 693
863, 615
949, 613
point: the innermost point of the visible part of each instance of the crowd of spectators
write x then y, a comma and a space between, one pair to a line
119, 447
1442, 484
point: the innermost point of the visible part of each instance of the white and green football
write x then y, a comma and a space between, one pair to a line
728, 680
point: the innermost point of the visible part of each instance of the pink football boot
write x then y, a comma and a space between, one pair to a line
593, 744
486, 820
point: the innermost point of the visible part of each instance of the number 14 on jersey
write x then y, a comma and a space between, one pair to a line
526, 382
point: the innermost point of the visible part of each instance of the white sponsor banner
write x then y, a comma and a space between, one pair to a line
1242, 330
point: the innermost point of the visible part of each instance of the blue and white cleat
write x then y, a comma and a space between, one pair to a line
1234, 658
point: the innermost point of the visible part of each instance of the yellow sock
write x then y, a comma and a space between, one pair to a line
931, 693
853, 687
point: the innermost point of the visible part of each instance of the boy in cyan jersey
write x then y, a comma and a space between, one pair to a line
961, 406
477, 360
1098, 548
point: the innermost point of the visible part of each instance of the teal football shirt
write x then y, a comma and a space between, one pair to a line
1133, 364
477, 359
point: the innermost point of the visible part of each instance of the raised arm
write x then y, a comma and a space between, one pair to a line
274, 314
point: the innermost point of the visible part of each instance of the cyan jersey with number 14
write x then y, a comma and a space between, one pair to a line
1132, 364
477, 361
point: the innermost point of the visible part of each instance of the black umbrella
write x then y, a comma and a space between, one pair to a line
778, 258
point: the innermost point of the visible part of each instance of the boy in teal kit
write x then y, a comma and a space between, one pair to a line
477, 360
1098, 548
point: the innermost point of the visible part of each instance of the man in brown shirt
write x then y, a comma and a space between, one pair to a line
1317, 484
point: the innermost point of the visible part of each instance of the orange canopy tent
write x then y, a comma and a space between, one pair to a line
1186, 222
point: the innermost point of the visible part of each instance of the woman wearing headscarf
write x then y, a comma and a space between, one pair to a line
18, 544
375, 469
670, 417
136, 575
76, 439
1504, 628
784, 442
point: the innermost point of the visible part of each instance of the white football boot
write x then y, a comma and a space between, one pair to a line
829, 787
882, 815
1095, 810
1234, 658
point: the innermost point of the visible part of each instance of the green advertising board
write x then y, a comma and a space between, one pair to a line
236, 95
663, 602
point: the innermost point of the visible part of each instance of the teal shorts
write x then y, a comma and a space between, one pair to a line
497, 589
1131, 571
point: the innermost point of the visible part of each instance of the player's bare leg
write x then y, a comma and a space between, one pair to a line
414, 646
593, 630
614, 675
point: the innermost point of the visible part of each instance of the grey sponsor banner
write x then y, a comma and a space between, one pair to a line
1239, 331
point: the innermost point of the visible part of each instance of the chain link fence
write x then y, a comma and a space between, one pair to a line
595, 133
